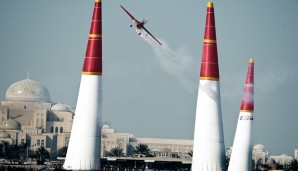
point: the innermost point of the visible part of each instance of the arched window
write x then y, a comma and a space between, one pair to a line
52, 129
56, 130
61, 129
42, 143
38, 142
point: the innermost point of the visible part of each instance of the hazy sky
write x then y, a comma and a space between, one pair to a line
154, 96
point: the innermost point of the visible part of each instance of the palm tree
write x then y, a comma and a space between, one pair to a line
62, 151
13, 151
190, 153
41, 153
1, 151
142, 149
117, 152
5, 149
24, 150
293, 165
279, 166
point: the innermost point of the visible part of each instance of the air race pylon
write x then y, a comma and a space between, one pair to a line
242, 148
209, 148
84, 145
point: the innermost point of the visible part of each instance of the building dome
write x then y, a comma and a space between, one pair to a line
106, 126
60, 107
259, 147
10, 124
4, 135
27, 90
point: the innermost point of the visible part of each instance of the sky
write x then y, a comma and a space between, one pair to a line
153, 94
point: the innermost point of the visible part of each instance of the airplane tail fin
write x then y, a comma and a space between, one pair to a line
144, 21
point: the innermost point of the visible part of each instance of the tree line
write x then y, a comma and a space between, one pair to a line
20, 153
140, 149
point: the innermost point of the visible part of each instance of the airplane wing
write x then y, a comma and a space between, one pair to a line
151, 35
132, 17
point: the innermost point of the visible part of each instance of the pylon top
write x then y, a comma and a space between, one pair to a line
209, 64
247, 104
93, 57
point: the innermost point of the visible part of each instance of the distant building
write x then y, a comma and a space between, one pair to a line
166, 147
229, 152
159, 147
296, 154
110, 139
282, 159
271, 163
28, 116
259, 153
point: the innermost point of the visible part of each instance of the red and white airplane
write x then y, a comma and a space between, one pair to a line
140, 25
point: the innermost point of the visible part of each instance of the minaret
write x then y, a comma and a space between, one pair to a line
84, 145
242, 148
209, 148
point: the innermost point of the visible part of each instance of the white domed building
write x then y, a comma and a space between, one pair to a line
259, 153
28, 116
282, 159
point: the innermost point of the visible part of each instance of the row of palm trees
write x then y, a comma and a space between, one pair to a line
291, 166
12, 152
140, 149
21, 152
144, 150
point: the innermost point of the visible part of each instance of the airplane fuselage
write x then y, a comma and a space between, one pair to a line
139, 25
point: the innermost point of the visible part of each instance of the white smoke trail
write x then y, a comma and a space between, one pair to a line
175, 62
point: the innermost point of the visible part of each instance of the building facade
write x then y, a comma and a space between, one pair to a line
173, 148
28, 116
261, 155
282, 159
